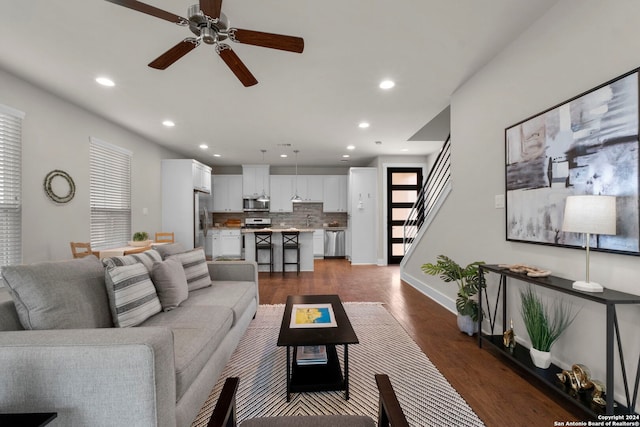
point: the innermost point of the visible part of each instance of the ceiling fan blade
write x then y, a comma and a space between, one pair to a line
151, 10
211, 8
173, 54
236, 65
273, 41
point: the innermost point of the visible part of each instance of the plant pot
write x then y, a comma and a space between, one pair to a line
467, 325
542, 359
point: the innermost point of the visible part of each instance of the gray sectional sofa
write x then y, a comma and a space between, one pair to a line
157, 373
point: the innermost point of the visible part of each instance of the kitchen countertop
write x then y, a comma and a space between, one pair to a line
278, 230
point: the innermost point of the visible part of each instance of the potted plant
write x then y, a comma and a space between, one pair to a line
468, 281
543, 326
140, 238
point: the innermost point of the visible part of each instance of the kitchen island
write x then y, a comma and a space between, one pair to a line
306, 249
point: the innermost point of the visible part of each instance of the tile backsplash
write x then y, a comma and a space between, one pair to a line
297, 218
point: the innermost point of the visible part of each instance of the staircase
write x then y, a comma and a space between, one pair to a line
435, 189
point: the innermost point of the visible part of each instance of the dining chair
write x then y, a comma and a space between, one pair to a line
164, 237
137, 250
82, 249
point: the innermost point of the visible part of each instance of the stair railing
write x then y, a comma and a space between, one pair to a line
434, 186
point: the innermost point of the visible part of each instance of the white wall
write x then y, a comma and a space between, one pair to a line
576, 46
56, 136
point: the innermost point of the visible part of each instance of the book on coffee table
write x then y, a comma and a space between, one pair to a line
312, 316
311, 355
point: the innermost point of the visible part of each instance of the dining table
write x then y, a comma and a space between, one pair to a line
120, 251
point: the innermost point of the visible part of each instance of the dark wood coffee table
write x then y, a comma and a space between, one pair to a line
322, 377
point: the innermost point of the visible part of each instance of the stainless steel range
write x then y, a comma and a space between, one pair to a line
257, 223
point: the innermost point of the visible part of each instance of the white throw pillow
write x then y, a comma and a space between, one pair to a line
132, 296
195, 267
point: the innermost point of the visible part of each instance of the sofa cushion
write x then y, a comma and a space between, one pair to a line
171, 283
197, 334
147, 258
195, 267
235, 295
60, 294
132, 296
169, 249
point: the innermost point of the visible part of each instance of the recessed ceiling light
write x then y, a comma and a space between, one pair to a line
363, 125
168, 123
105, 81
387, 84
351, 147
283, 156
217, 155
204, 146
404, 149
346, 156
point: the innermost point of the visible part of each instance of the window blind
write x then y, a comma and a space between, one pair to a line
110, 195
10, 186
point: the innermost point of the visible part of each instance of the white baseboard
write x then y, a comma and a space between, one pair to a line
430, 292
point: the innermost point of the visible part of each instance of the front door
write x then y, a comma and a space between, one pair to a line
403, 188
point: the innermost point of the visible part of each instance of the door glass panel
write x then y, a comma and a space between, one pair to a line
400, 214
397, 231
409, 178
397, 249
402, 196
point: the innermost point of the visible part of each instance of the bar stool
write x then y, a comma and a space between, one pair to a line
263, 242
290, 241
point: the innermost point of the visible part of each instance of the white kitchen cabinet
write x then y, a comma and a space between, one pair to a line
255, 180
310, 187
334, 197
227, 193
180, 199
318, 243
201, 175
363, 209
282, 188
230, 243
213, 243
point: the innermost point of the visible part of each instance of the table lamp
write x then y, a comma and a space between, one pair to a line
589, 215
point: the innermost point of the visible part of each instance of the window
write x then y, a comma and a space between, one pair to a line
110, 194
10, 186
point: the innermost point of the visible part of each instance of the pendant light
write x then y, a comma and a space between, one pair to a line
263, 197
296, 198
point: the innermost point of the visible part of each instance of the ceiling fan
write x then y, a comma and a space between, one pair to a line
211, 26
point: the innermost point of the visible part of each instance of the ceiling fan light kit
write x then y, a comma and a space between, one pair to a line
211, 26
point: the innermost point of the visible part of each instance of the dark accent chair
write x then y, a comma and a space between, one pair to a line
389, 412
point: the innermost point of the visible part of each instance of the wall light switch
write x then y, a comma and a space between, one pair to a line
499, 201
145, 211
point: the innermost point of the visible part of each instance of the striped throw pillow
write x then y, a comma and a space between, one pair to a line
147, 258
132, 296
195, 267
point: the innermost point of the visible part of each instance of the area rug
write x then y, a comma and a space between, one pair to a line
385, 348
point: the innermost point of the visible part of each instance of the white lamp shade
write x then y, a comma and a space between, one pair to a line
590, 214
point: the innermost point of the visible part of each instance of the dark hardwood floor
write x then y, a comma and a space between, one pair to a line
495, 389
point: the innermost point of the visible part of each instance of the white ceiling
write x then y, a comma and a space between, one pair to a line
313, 101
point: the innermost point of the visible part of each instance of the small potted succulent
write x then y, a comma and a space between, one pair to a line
468, 281
140, 238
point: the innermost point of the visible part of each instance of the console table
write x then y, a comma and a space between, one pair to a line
609, 298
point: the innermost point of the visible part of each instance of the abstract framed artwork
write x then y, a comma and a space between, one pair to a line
586, 145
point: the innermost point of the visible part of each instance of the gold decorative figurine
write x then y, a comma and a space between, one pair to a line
509, 338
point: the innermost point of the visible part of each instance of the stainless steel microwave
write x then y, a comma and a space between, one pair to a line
253, 205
